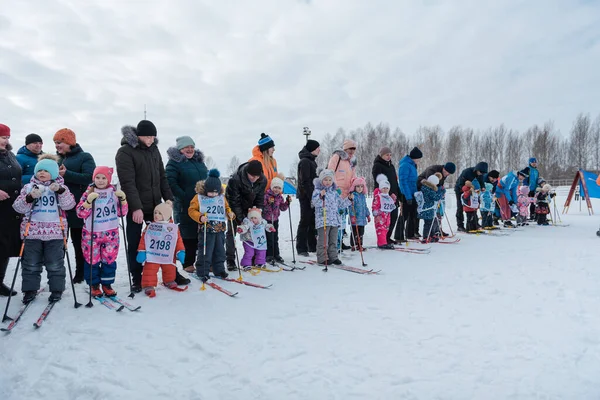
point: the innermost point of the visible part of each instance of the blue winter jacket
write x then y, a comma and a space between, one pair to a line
362, 211
507, 186
532, 179
407, 176
486, 201
431, 195
333, 203
27, 160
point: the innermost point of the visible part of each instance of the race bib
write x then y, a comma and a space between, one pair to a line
45, 208
420, 201
259, 236
213, 207
387, 203
105, 212
475, 201
161, 240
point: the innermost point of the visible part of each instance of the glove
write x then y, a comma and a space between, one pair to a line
409, 202
55, 187
36, 192
353, 220
91, 197
271, 200
242, 229
351, 197
141, 257
368, 218
270, 228
288, 199
180, 256
121, 195
231, 215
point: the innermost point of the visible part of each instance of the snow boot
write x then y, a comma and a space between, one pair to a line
345, 247
29, 296
171, 285
279, 259
150, 292
181, 280
222, 275
5, 290
461, 229
136, 288
386, 246
231, 266
337, 262
508, 224
108, 290
205, 279
96, 292
304, 254
55, 296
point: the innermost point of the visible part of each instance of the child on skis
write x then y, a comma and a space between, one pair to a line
383, 205
542, 209
428, 210
359, 213
253, 232
160, 247
327, 201
523, 202
103, 235
470, 203
210, 209
274, 204
487, 206
43, 202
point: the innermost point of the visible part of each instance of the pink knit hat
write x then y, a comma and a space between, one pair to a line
358, 181
349, 143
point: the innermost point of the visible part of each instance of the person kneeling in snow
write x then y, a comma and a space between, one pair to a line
253, 232
160, 247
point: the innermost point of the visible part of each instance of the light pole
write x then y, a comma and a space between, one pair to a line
306, 132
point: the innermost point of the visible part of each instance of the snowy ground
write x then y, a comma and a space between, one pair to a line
512, 317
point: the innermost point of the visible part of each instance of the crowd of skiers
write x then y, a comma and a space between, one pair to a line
183, 213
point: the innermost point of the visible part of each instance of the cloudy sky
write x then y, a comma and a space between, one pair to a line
225, 71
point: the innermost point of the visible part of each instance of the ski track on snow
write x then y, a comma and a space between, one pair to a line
512, 317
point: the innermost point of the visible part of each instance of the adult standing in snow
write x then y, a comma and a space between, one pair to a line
184, 169
343, 164
245, 190
445, 170
263, 152
10, 187
27, 155
531, 180
143, 179
383, 165
76, 168
407, 174
506, 193
306, 238
475, 176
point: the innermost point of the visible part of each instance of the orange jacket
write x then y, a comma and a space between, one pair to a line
270, 172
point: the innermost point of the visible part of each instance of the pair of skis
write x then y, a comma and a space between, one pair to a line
221, 289
344, 267
405, 249
14, 321
116, 304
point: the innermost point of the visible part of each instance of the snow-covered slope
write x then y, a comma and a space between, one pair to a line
513, 317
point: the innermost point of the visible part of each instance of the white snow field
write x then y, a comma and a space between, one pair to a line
511, 317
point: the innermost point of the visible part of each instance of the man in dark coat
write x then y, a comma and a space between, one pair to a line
475, 176
245, 189
306, 239
10, 187
446, 170
142, 177
27, 156
76, 168
383, 165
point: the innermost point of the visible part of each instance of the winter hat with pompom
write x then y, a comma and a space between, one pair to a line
358, 181
265, 142
106, 171
382, 181
524, 190
433, 179
255, 212
48, 163
213, 183
277, 182
546, 187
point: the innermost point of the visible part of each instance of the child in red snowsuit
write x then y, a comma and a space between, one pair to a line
383, 205
470, 203
160, 247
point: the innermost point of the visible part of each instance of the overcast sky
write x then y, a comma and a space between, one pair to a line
224, 71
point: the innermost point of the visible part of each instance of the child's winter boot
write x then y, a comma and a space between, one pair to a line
96, 292
150, 292
223, 275
108, 290
171, 285
28, 296
55, 296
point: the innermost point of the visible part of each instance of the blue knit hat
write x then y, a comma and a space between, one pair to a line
49, 165
265, 142
450, 167
532, 160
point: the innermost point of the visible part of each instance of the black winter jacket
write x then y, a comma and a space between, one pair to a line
242, 194
380, 166
307, 172
10, 182
78, 176
431, 170
141, 173
468, 174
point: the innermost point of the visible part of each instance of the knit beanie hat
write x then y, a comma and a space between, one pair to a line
433, 179
106, 171
254, 168
47, 162
494, 174
4, 130
546, 187
540, 181
359, 181
146, 128
33, 138
265, 142
532, 160
383, 182
66, 136
312, 145
255, 212
184, 141
523, 190
415, 153
450, 167
349, 144
522, 173
385, 150
212, 183
326, 173
277, 182
165, 210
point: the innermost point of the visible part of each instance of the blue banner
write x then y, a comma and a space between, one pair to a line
590, 182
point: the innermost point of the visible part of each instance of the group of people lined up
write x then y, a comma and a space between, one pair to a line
44, 198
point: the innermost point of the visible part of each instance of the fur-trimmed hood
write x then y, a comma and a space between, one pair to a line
8, 147
345, 157
130, 137
430, 185
174, 154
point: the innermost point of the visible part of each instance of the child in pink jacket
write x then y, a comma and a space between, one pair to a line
383, 205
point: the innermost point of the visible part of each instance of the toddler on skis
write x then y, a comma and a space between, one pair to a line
253, 232
428, 209
274, 204
383, 205
523, 202
106, 205
327, 201
210, 209
160, 247
543, 198
359, 213
470, 203
487, 206
43, 229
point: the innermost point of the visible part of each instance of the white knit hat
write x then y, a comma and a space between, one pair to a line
255, 212
277, 182
326, 173
433, 179
383, 182
546, 187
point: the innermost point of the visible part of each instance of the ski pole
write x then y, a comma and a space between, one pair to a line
449, 225
66, 252
291, 233
131, 294
272, 238
358, 237
90, 304
433, 221
204, 252
325, 234
5, 317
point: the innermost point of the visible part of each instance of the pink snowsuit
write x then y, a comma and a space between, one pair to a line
106, 243
523, 201
382, 219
